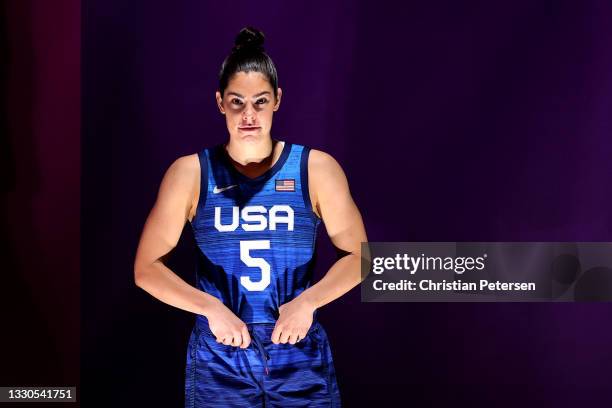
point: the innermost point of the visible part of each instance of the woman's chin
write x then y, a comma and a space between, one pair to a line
250, 137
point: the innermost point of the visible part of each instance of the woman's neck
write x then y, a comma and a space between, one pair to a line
251, 153
253, 159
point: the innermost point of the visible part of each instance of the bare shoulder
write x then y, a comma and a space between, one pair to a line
320, 158
326, 179
182, 182
324, 169
188, 163
184, 170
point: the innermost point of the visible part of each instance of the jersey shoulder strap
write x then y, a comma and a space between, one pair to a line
203, 158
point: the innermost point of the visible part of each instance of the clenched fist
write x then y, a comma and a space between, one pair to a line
294, 321
227, 327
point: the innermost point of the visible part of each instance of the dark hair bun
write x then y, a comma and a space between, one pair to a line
249, 38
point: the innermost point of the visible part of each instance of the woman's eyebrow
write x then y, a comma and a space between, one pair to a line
256, 96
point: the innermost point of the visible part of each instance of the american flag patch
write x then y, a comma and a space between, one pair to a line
285, 185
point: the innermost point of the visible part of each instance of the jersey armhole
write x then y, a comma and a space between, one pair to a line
304, 181
202, 156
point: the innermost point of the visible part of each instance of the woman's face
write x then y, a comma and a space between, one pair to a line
248, 104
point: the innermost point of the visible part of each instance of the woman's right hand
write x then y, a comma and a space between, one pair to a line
227, 327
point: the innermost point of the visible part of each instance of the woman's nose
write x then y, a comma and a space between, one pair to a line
248, 114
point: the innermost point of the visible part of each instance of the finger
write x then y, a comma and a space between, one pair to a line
227, 340
276, 333
246, 337
237, 339
284, 338
293, 338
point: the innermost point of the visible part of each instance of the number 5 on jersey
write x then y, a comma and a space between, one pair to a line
245, 248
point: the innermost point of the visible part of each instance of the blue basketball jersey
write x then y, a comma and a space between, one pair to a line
255, 237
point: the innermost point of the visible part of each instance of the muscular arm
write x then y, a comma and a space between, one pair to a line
160, 235
332, 200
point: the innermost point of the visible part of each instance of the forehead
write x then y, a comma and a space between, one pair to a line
248, 83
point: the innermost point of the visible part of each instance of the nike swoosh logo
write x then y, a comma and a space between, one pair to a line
217, 190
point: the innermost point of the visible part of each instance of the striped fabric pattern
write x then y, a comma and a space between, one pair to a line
255, 246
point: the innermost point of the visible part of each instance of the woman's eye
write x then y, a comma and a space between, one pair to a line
236, 101
261, 101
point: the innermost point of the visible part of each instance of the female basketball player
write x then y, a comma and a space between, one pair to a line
254, 204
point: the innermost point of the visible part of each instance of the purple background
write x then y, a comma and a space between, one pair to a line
453, 122
39, 187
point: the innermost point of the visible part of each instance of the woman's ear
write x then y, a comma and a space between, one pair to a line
279, 93
219, 102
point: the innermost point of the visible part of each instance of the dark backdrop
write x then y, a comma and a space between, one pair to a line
39, 193
452, 120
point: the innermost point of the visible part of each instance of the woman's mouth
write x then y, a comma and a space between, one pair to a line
248, 128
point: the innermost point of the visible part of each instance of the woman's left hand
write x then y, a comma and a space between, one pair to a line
294, 321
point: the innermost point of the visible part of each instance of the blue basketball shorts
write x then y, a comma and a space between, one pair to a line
262, 375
